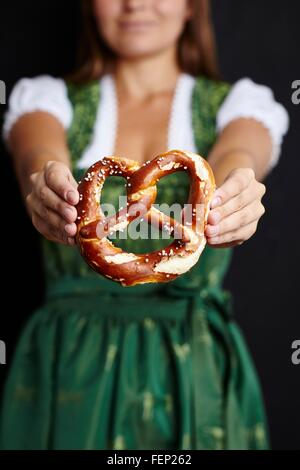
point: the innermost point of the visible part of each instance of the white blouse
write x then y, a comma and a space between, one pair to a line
245, 99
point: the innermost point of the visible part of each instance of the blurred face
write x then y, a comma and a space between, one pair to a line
137, 28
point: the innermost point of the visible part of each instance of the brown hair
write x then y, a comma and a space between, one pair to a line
196, 49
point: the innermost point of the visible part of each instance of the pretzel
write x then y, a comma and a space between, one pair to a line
93, 227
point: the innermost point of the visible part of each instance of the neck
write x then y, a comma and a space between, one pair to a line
145, 77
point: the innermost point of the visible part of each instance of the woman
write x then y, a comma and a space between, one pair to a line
155, 366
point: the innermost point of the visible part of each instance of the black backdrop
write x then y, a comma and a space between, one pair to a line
257, 39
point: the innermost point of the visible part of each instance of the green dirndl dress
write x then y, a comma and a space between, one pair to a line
155, 366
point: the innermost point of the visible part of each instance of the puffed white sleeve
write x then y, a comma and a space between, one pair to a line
42, 93
248, 99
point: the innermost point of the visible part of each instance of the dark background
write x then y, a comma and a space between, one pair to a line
255, 38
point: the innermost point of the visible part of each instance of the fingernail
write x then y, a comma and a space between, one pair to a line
68, 213
69, 228
72, 197
215, 202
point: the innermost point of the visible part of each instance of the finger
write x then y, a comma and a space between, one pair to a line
237, 180
237, 203
43, 228
72, 180
50, 199
242, 234
50, 232
59, 178
28, 202
226, 245
33, 178
238, 219
54, 219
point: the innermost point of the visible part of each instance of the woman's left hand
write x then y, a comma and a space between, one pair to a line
234, 218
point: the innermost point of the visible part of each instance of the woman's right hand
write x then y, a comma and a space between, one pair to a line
51, 202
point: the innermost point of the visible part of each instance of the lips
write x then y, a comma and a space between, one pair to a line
136, 25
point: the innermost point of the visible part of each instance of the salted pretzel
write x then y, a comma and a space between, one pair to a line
94, 228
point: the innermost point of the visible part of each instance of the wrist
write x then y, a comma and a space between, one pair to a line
230, 160
34, 161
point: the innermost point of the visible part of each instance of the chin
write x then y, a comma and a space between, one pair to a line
137, 51
136, 55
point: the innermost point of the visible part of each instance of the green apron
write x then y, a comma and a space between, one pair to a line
155, 366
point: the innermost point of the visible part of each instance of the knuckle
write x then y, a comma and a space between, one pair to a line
45, 212
262, 210
51, 171
33, 177
50, 165
251, 231
36, 224
34, 219
236, 171
43, 193
240, 201
224, 195
28, 200
250, 173
69, 176
239, 182
263, 188
243, 218
51, 176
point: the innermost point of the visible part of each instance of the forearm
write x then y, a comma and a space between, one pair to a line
229, 161
35, 139
244, 143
